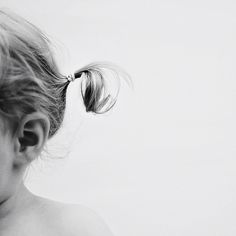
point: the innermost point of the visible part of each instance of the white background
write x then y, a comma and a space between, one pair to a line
163, 161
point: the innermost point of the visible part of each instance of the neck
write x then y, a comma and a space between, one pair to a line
15, 204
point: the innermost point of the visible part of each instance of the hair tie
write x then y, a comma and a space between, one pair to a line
71, 77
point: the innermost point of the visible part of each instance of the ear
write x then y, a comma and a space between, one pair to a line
30, 137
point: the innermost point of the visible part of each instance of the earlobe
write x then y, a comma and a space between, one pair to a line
31, 136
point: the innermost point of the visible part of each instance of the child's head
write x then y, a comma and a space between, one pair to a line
33, 92
30, 80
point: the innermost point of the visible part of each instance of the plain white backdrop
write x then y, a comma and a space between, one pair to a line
163, 161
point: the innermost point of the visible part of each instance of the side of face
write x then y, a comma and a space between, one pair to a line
7, 155
19, 150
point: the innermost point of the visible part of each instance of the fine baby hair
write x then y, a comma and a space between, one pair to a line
31, 81
32, 106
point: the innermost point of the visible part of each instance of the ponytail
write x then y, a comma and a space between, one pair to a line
95, 78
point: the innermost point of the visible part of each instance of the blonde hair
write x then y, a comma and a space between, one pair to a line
30, 79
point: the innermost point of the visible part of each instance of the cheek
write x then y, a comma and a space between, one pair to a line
6, 158
5, 167
6, 154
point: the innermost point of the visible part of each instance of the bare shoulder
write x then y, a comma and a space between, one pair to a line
74, 219
86, 221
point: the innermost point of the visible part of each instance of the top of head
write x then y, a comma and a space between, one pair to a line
30, 80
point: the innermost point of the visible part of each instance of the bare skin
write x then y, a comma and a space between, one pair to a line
21, 212
33, 215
